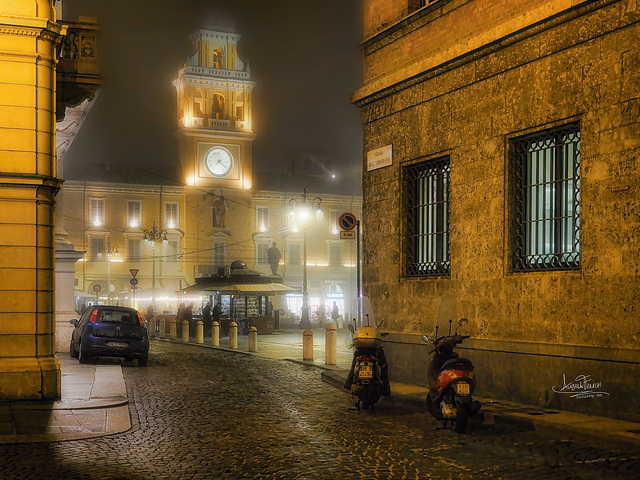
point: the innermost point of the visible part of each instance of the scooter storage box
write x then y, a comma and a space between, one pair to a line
367, 337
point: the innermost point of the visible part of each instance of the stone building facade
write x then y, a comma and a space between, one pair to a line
505, 190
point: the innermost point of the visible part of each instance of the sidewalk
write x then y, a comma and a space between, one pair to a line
94, 398
94, 403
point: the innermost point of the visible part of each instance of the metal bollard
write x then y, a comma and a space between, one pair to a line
200, 332
151, 327
331, 345
173, 329
307, 345
185, 330
163, 327
253, 339
233, 335
215, 334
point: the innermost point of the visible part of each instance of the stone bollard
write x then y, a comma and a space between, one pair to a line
215, 334
253, 339
233, 335
151, 327
163, 327
185, 331
331, 345
200, 332
307, 345
173, 329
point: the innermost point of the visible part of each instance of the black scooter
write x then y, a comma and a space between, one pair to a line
451, 380
368, 377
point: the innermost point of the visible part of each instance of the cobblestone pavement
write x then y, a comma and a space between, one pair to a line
210, 414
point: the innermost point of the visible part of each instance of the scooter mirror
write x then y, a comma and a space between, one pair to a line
425, 338
351, 329
463, 321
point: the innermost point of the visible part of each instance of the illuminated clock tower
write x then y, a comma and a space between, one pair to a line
214, 113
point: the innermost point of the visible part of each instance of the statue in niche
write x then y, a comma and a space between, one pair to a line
217, 106
219, 210
217, 58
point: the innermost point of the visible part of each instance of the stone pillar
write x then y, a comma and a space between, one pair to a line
29, 36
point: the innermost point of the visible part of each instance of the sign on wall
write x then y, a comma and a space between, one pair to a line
380, 157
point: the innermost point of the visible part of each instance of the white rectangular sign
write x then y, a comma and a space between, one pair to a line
380, 157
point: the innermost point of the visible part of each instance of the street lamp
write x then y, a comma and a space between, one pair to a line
110, 251
300, 212
150, 238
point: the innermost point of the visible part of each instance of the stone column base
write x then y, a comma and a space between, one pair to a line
29, 378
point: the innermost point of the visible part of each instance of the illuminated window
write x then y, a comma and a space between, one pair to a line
96, 246
295, 253
335, 254
546, 193
334, 215
219, 253
96, 212
427, 200
262, 257
172, 251
134, 213
171, 215
262, 219
134, 246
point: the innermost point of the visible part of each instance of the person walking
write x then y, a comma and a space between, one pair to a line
335, 313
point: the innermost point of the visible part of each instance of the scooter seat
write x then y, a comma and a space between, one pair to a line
458, 364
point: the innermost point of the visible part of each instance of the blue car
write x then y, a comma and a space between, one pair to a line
109, 331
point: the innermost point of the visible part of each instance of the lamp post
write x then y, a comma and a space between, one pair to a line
300, 211
150, 238
110, 250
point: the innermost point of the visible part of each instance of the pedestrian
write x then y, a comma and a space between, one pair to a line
180, 314
321, 315
335, 313
206, 313
217, 311
273, 257
188, 313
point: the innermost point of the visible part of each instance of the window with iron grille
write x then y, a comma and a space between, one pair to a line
427, 196
546, 181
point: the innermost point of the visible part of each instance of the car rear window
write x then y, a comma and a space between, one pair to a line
111, 316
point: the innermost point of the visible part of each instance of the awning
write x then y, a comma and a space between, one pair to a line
243, 288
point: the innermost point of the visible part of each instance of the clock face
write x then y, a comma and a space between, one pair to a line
218, 161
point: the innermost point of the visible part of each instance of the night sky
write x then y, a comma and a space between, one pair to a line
304, 56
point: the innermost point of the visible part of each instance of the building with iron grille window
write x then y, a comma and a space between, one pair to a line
508, 191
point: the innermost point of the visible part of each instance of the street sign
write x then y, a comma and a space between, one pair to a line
97, 288
348, 235
347, 221
134, 272
133, 282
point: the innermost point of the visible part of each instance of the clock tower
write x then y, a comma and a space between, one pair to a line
214, 94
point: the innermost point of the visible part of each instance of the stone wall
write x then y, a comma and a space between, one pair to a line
531, 329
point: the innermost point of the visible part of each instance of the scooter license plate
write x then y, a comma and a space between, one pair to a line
366, 372
463, 389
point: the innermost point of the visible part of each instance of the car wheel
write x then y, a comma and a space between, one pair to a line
83, 357
144, 360
72, 350
128, 359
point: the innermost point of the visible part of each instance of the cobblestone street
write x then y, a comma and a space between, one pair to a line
203, 414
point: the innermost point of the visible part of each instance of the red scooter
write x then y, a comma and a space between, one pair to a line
451, 380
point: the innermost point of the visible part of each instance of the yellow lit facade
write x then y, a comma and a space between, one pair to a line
29, 37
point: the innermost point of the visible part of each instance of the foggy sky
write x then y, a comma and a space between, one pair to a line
304, 56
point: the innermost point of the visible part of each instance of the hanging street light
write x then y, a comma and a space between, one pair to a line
150, 238
301, 212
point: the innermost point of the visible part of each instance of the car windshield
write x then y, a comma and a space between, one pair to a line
114, 316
